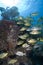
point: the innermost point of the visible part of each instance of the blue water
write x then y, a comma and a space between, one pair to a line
36, 6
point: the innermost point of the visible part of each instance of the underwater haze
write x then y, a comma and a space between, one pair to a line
26, 7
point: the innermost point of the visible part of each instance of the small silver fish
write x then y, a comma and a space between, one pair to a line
34, 14
35, 28
19, 53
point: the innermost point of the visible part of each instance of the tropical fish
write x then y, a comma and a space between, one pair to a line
3, 55
27, 24
20, 42
25, 21
23, 28
20, 18
19, 53
29, 48
19, 23
29, 29
12, 61
23, 36
35, 28
34, 14
25, 45
35, 32
32, 41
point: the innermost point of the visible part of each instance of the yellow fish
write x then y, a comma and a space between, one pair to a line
24, 36
31, 41
12, 61
20, 42
3, 55
25, 45
35, 32
20, 23
27, 24
23, 28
